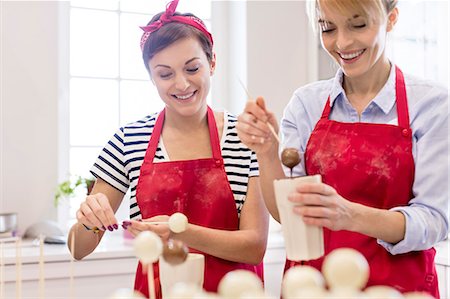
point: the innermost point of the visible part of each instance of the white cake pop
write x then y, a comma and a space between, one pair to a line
178, 222
125, 293
301, 277
345, 268
234, 283
148, 247
417, 295
380, 291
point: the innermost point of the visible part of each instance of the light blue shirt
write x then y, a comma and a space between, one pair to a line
427, 214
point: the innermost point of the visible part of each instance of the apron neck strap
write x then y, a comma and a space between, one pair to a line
400, 98
213, 135
400, 95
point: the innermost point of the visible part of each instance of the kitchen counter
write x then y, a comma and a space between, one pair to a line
112, 265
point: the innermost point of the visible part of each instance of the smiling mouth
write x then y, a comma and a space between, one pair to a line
184, 96
350, 56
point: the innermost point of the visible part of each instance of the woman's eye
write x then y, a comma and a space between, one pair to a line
326, 27
192, 69
359, 26
165, 75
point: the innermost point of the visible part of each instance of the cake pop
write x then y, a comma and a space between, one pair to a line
175, 252
237, 282
148, 247
346, 268
290, 158
178, 222
301, 277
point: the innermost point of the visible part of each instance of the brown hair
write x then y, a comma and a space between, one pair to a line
170, 33
364, 7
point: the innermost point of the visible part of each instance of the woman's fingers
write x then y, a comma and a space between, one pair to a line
96, 211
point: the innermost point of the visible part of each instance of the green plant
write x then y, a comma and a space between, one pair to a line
68, 188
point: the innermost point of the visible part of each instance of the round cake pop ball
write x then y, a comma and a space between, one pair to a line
125, 293
301, 277
175, 252
345, 268
417, 295
235, 283
148, 247
385, 292
178, 222
290, 157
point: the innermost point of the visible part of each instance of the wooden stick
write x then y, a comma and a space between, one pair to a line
41, 267
72, 259
1, 271
272, 130
18, 268
151, 281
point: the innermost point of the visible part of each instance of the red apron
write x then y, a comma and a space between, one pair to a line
371, 164
197, 188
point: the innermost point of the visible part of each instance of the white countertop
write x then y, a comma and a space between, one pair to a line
113, 245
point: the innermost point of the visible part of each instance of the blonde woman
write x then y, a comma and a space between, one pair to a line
378, 138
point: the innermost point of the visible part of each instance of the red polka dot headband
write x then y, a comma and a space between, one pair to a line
168, 17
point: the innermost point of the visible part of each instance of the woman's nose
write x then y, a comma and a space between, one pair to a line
344, 40
181, 83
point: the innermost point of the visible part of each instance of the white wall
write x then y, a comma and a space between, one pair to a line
29, 105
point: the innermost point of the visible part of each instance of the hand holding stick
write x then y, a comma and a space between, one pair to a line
262, 106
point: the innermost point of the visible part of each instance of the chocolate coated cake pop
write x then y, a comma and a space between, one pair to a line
175, 252
290, 157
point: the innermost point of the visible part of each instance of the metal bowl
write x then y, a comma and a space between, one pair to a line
8, 222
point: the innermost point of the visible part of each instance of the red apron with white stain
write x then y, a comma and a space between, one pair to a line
197, 188
371, 164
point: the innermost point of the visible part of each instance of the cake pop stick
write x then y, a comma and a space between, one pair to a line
272, 130
177, 222
19, 268
72, 260
148, 248
1, 270
41, 267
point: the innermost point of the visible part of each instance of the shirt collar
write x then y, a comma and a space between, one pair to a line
385, 99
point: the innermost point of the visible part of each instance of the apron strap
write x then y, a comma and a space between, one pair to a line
154, 138
157, 129
214, 135
402, 104
401, 101
326, 110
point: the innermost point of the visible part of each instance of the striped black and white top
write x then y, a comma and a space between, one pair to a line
120, 161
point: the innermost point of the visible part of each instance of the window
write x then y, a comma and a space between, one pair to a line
109, 85
419, 41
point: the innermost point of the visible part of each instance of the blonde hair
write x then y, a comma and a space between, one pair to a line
365, 8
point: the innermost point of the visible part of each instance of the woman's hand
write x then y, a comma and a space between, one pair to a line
162, 229
96, 211
321, 205
252, 127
